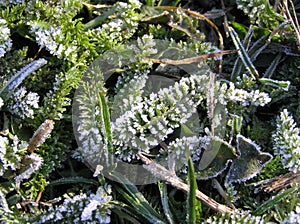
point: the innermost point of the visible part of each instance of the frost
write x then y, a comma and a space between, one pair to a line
24, 103
5, 41
287, 141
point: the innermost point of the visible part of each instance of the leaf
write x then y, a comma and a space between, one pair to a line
215, 159
139, 205
165, 202
249, 163
73, 180
243, 54
19, 76
191, 200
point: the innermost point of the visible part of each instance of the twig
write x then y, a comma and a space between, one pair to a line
207, 20
277, 183
165, 175
192, 59
294, 22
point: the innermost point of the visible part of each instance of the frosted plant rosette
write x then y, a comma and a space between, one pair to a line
142, 120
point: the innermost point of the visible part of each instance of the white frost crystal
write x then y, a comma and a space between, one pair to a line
24, 103
5, 41
52, 38
287, 141
1, 102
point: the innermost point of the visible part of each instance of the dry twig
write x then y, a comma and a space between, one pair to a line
166, 175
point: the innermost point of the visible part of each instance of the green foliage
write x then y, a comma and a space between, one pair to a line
260, 12
146, 85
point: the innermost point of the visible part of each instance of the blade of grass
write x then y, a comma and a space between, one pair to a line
73, 180
238, 65
274, 200
98, 20
271, 69
137, 200
275, 83
191, 200
105, 119
165, 201
18, 77
264, 41
243, 54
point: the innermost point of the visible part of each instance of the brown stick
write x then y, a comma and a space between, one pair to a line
277, 183
166, 175
192, 59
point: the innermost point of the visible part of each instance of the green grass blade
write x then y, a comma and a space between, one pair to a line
271, 69
243, 55
238, 65
165, 202
136, 199
105, 117
271, 202
275, 83
73, 180
191, 200
98, 20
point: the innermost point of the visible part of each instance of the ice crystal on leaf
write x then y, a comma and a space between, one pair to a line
53, 39
9, 2
5, 41
121, 27
260, 12
254, 97
31, 163
237, 217
287, 141
11, 153
92, 208
293, 217
153, 119
24, 103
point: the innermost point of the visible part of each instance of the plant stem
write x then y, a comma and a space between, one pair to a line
166, 175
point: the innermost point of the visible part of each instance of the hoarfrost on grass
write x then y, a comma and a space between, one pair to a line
286, 141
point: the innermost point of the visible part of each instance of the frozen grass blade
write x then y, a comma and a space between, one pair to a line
73, 180
105, 117
243, 54
18, 77
165, 202
271, 69
238, 65
273, 201
275, 83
